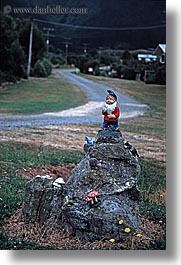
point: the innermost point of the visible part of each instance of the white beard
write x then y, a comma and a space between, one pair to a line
110, 108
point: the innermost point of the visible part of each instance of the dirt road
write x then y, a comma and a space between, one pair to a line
67, 129
86, 114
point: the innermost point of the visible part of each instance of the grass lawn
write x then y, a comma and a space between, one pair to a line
39, 95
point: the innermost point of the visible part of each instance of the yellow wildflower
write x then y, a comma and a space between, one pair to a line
127, 230
121, 222
1, 199
112, 240
139, 235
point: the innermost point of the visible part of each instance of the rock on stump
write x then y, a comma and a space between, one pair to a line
99, 201
102, 192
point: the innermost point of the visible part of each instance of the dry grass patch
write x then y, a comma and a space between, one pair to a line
72, 137
51, 236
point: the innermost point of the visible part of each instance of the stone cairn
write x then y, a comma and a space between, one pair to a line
99, 200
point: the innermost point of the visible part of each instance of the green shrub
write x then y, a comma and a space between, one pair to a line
104, 73
48, 66
125, 72
42, 68
2, 77
151, 79
57, 60
159, 77
129, 73
39, 69
96, 71
13, 57
90, 64
11, 78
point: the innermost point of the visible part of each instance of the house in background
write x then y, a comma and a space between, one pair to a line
160, 52
146, 57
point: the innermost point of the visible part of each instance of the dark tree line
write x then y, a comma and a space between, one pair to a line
14, 47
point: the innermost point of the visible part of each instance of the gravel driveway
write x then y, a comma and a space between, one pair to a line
88, 113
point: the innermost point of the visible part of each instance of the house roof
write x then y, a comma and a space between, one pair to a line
161, 47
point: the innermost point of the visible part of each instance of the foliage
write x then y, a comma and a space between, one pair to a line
125, 72
11, 51
104, 73
42, 68
90, 64
84, 62
107, 59
72, 59
38, 45
96, 71
14, 47
126, 56
159, 77
82, 59
124, 68
56, 59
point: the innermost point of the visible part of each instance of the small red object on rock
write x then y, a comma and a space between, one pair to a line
92, 195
